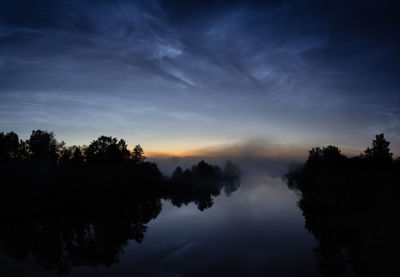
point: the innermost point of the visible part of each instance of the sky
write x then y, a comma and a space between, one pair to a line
192, 77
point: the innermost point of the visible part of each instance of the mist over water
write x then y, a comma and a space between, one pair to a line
248, 164
257, 229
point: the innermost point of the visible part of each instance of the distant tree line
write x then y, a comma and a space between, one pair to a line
105, 164
352, 207
79, 205
42, 146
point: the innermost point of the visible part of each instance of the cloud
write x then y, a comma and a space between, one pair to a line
316, 70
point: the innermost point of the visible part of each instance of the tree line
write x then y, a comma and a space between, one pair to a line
42, 146
352, 207
43, 161
80, 205
41, 167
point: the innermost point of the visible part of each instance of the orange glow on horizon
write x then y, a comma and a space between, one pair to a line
231, 151
267, 150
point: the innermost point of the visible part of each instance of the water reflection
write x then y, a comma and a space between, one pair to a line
64, 241
256, 231
351, 206
94, 230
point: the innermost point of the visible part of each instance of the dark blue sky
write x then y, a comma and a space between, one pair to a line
176, 76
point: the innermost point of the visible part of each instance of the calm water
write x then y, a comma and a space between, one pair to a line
258, 230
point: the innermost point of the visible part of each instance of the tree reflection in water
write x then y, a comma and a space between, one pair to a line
80, 206
95, 231
352, 207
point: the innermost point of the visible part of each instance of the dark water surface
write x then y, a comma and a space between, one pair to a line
256, 231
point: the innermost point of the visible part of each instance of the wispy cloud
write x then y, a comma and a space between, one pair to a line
298, 69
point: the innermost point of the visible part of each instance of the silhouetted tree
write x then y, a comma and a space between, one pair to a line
204, 170
200, 183
23, 150
107, 149
138, 154
329, 154
77, 157
42, 145
72, 206
9, 146
177, 174
380, 149
351, 205
65, 154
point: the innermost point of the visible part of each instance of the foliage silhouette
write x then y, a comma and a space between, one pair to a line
201, 182
380, 151
107, 150
9, 146
43, 146
352, 207
138, 154
72, 206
